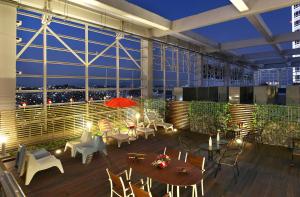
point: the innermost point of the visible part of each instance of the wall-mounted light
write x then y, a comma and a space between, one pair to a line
240, 5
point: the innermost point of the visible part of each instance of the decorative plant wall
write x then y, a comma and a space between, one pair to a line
277, 123
207, 117
157, 105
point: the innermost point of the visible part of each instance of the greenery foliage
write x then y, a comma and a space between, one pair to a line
277, 123
206, 117
157, 105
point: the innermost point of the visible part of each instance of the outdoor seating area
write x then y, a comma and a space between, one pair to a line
157, 98
256, 167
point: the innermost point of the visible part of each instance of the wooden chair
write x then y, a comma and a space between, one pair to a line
117, 185
199, 162
173, 154
138, 191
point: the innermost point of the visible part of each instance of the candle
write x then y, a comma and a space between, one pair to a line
218, 137
210, 142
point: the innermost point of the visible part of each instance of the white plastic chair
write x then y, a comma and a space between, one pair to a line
153, 119
85, 138
88, 149
35, 165
146, 131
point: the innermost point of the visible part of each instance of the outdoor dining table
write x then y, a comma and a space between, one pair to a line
169, 175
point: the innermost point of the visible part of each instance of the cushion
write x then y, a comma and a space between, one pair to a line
38, 154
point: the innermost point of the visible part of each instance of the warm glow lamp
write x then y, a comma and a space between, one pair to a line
137, 116
89, 125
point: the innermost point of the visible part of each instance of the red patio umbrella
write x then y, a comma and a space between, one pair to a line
120, 103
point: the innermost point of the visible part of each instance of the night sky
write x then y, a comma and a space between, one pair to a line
278, 21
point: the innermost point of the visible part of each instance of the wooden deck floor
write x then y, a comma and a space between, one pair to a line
264, 171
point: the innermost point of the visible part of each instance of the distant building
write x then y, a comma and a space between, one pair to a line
296, 43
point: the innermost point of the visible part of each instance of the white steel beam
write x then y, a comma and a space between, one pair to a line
128, 54
65, 45
278, 61
271, 54
102, 52
223, 14
80, 13
286, 37
163, 66
45, 96
118, 67
261, 55
126, 11
86, 43
260, 25
30, 42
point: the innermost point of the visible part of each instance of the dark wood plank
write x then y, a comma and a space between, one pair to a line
264, 171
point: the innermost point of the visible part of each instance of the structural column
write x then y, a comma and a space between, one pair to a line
227, 73
8, 16
118, 66
163, 66
86, 41
147, 68
7, 57
199, 70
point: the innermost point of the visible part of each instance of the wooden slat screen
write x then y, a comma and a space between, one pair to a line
33, 125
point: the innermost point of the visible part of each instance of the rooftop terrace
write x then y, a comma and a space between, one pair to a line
218, 80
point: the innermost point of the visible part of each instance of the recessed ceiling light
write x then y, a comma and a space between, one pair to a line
144, 21
240, 5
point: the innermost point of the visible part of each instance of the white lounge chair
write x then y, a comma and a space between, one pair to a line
88, 149
35, 165
146, 131
153, 119
86, 138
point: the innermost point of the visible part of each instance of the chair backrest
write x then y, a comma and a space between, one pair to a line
129, 123
86, 137
105, 125
99, 143
117, 183
150, 116
197, 161
20, 158
138, 192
